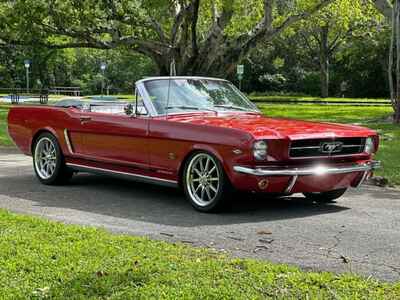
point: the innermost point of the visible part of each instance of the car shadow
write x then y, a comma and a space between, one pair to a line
118, 198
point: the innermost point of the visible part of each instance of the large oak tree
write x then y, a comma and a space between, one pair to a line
202, 37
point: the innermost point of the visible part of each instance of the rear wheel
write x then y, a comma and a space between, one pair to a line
48, 161
325, 197
205, 182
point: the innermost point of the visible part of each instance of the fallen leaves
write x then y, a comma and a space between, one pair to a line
266, 241
259, 248
42, 292
345, 259
101, 273
264, 232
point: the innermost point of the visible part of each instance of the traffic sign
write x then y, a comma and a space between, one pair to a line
240, 69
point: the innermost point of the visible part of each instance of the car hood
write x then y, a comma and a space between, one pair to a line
275, 128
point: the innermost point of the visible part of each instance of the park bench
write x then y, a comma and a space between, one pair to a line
17, 93
66, 90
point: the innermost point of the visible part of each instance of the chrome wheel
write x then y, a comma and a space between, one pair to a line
45, 158
203, 179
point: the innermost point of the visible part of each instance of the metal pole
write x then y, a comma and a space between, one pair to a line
27, 80
102, 85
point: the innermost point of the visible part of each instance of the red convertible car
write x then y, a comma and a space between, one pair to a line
201, 134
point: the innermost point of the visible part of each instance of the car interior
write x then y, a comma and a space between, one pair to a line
105, 107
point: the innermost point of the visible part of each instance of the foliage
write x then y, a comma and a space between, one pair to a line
279, 60
48, 260
356, 52
200, 36
75, 67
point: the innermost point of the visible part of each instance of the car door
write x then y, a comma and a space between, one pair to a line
116, 139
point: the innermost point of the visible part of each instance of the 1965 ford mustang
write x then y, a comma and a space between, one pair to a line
201, 134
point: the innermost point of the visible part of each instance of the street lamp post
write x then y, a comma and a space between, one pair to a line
103, 67
27, 64
240, 72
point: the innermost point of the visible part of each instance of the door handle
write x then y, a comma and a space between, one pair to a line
85, 119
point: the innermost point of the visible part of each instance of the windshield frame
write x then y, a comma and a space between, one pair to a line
141, 88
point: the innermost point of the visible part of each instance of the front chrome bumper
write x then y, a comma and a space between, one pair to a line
315, 170
318, 170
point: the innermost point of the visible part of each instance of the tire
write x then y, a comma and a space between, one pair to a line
325, 197
205, 183
49, 162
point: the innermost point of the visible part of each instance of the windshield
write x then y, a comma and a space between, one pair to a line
178, 95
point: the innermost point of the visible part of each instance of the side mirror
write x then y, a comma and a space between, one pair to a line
129, 110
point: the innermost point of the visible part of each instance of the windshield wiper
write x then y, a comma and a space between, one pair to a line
183, 107
233, 107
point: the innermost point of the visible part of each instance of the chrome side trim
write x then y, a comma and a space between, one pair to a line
143, 178
69, 145
317, 170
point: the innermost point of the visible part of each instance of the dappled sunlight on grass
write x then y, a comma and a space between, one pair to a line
41, 259
329, 113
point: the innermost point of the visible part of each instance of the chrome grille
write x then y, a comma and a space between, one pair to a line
326, 147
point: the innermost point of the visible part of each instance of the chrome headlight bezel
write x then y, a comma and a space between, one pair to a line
369, 145
260, 150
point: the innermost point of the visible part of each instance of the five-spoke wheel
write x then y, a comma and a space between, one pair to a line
205, 183
48, 160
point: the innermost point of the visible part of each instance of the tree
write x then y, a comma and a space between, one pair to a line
392, 12
326, 32
394, 61
202, 37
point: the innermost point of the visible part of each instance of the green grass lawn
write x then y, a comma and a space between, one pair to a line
4, 138
278, 98
40, 259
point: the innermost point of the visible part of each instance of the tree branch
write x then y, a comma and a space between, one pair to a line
384, 7
268, 18
260, 32
293, 19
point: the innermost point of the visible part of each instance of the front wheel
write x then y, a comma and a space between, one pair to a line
48, 161
325, 197
205, 182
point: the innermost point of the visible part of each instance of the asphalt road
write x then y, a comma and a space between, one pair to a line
360, 233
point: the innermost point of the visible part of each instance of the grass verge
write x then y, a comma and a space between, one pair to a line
294, 99
40, 259
4, 138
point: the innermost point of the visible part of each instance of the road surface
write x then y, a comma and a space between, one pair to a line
360, 233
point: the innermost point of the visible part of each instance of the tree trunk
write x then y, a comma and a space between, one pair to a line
397, 34
394, 54
324, 61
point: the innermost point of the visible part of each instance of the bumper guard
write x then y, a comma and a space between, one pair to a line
319, 170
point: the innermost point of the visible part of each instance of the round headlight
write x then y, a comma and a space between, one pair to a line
260, 150
369, 145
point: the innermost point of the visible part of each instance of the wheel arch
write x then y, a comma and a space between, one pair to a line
39, 133
199, 149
